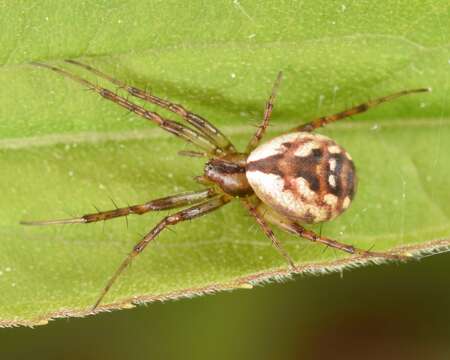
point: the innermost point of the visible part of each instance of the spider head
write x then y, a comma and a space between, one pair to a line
228, 173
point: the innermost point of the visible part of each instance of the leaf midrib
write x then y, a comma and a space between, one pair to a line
142, 134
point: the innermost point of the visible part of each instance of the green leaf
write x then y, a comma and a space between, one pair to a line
64, 150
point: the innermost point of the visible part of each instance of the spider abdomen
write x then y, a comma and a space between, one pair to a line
304, 176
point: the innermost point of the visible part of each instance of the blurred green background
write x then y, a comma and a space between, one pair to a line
389, 312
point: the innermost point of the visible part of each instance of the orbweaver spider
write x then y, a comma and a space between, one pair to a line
293, 179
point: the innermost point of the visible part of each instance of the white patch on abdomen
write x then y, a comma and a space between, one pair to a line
275, 146
270, 189
306, 149
303, 188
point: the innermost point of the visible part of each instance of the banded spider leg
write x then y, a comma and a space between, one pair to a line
203, 137
208, 200
293, 227
165, 203
201, 124
183, 215
324, 120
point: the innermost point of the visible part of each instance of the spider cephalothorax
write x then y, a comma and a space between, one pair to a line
295, 178
229, 174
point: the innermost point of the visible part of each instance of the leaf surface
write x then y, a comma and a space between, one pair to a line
64, 150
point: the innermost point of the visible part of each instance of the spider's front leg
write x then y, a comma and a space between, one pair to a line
208, 200
165, 203
200, 123
295, 228
198, 138
183, 215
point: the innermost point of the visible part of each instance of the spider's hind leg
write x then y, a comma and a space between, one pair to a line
324, 120
294, 228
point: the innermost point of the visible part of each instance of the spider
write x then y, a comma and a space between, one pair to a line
296, 178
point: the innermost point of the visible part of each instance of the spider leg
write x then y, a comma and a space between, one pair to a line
322, 121
254, 141
170, 126
183, 215
312, 236
203, 125
268, 231
190, 153
295, 228
169, 202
